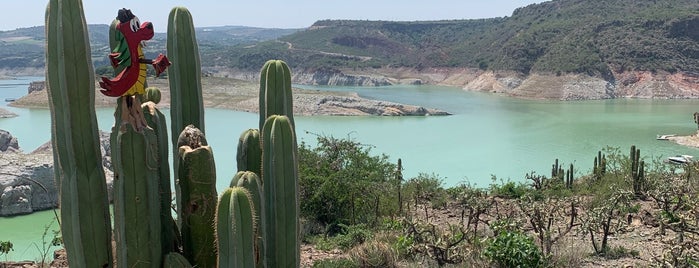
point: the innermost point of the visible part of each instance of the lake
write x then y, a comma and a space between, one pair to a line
487, 135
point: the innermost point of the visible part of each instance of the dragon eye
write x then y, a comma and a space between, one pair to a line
135, 22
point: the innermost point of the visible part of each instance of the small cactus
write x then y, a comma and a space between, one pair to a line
249, 156
235, 229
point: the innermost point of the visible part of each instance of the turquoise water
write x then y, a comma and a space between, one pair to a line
487, 135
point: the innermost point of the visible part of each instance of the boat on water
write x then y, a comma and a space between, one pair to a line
664, 137
10, 99
680, 159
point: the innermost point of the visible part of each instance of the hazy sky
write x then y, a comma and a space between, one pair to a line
267, 13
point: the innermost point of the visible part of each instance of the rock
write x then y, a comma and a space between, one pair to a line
36, 86
8, 142
6, 114
27, 180
16, 200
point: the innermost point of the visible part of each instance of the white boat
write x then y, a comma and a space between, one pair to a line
664, 137
680, 159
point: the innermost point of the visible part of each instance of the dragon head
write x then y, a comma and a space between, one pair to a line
130, 26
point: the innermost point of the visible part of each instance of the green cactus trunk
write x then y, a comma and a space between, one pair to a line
184, 75
249, 156
137, 218
281, 202
196, 185
275, 91
235, 229
156, 121
85, 224
252, 183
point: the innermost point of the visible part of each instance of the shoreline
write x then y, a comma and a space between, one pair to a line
240, 95
691, 140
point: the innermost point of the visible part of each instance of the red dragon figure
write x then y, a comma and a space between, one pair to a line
128, 57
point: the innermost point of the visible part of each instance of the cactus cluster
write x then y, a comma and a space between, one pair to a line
558, 173
255, 221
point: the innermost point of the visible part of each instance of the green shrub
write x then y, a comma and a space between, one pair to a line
509, 189
513, 249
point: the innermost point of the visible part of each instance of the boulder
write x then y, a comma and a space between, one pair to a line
8, 142
16, 200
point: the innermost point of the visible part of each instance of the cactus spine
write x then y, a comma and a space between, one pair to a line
85, 225
275, 91
235, 229
197, 197
280, 206
249, 155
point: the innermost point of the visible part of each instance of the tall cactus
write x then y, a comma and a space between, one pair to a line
275, 91
85, 224
196, 190
184, 75
281, 202
249, 156
235, 229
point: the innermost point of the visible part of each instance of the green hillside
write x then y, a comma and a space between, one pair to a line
562, 36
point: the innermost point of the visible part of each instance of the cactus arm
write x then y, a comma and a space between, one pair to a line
275, 91
249, 154
280, 182
85, 227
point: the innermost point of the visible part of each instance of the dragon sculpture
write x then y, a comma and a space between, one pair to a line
128, 60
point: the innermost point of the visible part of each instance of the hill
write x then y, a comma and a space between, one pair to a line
564, 36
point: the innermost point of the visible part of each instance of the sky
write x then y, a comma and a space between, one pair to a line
267, 13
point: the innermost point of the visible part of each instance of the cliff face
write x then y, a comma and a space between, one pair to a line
27, 181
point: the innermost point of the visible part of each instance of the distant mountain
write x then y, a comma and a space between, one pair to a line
595, 37
25, 47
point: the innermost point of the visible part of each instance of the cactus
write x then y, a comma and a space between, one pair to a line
252, 183
184, 75
196, 197
275, 91
280, 205
85, 224
569, 177
600, 166
176, 260
637, 171
137, 217
249, 156
235, 229
156, 121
